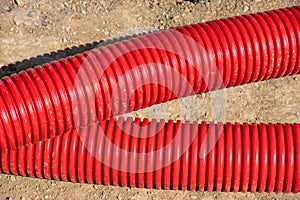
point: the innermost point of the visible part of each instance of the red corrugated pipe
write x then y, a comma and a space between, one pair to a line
245, 158
46, 113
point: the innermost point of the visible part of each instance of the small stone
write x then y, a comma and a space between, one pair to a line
245, 8
22, 2
22, 198
64, 40
68, 28
161, 27
29, 14
46, 196
12, 178
193, 197
95, 186
119, 197
17, 22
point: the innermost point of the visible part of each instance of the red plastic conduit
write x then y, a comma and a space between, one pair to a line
36, 105
247, 157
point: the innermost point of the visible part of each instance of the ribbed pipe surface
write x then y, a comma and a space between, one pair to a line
38, 134
247, 157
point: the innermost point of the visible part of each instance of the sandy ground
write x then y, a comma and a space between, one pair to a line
38, 31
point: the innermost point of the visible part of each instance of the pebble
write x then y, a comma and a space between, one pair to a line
68, 28
245, 8
29, 14
64, 40
95, 186
295, 78
12, 178
193, 197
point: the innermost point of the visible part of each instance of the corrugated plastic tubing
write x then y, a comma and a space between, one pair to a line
38, 136
245, 158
